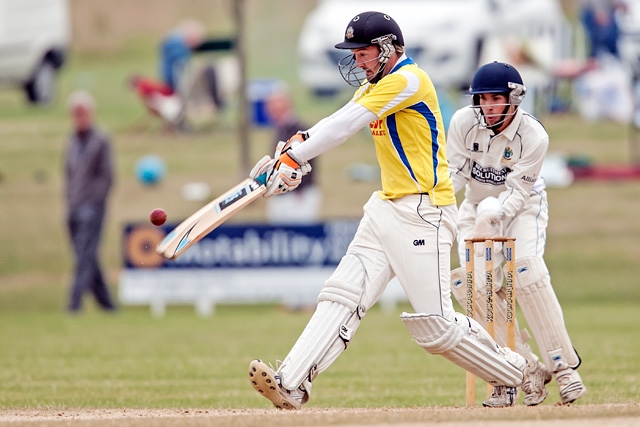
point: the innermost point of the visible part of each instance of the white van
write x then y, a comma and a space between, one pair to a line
34, 39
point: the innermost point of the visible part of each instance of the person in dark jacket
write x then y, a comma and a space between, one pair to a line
304, 205
88, 180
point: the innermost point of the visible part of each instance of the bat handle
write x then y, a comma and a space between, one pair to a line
262, 179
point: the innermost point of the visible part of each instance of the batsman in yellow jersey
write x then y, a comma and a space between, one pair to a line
408, 227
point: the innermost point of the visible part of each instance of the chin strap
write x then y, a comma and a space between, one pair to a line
494, 128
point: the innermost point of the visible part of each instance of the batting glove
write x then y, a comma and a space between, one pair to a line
285, 176
265, 165
293, 142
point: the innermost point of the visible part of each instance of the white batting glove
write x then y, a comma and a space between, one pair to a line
305, 168
285, 176
284, 173
264, 166
293, 142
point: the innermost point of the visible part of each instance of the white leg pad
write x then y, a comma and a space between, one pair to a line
467, 345
331, 327
542, 310
459, 290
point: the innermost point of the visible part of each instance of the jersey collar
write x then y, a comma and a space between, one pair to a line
402, 61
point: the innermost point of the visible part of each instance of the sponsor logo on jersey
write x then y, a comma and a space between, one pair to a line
376, 128
476, 147
508, 153
528, 179
418, 242
489, 175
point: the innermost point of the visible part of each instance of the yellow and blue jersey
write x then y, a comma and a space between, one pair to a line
409, 134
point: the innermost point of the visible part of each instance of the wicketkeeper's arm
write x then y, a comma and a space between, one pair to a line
524, 175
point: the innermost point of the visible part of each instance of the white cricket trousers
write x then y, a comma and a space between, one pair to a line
412, 239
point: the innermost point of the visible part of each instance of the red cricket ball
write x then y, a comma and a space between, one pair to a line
158, 216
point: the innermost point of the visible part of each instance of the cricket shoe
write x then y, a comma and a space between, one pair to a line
268, 383
536, 377
502, 397
569, 385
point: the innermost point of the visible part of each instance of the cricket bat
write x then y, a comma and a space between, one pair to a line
204, 221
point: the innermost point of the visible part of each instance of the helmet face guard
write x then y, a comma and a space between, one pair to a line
355, 75
368, 29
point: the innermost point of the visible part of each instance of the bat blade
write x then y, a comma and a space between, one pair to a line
205, 220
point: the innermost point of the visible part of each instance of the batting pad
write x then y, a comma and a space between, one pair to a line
542, 310
324, 338
468, 346
459, 290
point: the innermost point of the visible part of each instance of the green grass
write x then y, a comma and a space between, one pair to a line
133, 360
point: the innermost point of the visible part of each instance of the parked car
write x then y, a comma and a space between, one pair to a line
445, 37
34, 39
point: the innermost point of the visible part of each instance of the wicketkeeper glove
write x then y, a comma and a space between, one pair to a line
488, 223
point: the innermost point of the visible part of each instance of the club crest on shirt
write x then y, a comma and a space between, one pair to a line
508, 153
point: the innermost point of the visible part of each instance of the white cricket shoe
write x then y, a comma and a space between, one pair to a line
267, 382
570, 384
502, 397
533, 387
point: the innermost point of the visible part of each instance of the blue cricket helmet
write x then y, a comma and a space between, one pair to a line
498, 77
365, 27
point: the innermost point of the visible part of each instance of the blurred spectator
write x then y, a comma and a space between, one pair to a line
88, 179
176, 50
159, 99
601, 26
302, 205
533, 57
184, 87
603, 89
606, 91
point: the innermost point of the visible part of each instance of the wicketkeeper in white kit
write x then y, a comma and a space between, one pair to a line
496, 151
407, 231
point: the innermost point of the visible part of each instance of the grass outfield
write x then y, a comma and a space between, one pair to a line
132, 360
59, 365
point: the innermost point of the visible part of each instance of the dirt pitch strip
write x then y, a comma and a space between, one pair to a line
618, 415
